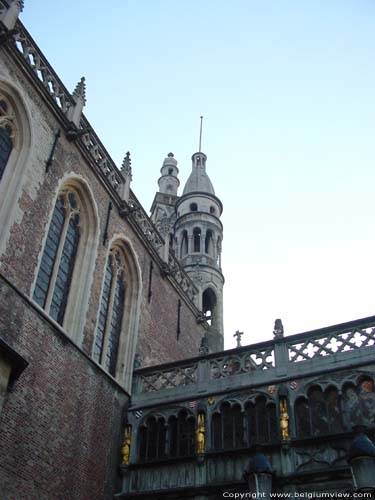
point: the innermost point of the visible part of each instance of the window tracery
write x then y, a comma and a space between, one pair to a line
358, 403
319, 413
181, 430
7, 132
54, 278
174, 439
152, 439
234, 428
111, 312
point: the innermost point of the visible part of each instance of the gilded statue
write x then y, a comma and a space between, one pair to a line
125, 450
200, 434
284, 420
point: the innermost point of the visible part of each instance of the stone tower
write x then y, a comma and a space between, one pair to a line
163, 212
198, 235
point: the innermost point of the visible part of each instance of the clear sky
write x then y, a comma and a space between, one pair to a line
286, 88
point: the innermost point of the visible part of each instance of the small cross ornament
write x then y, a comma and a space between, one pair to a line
238, 336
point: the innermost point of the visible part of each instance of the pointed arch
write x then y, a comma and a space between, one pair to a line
15, 146
67, 260
184, 244
209, 305
197, 236
116, 329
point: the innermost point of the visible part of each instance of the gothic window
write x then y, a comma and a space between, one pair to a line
197, 233
228, 427
184, 244
261, 421
181, 435
152, 439
319, 414
193, 207
302, 413
359, 404
57, 264
111, 312
7, 132
209, 306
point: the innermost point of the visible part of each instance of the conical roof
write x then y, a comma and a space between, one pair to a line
198, 179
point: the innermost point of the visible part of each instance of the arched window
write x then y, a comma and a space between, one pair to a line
111, 312
208, 245
212, 210
7, 132
181, 435
261, 421
152, 439
117, 322
209, 303
57, 264
228, 427
193, 207
184, 244
319, 414
359, 404
197, 233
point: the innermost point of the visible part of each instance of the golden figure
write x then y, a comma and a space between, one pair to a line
200, 434
125, 450
284, 420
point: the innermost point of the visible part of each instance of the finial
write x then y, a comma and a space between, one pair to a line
200, 136
170, 155
80, 90
278, 330
238, 336
126, 165
10, 15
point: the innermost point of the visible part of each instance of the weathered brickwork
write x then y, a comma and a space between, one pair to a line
61, 421
19, 261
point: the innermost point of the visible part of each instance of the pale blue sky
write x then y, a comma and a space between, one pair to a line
286, 88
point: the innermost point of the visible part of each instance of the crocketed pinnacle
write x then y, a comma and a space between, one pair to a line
126, 168
80, 90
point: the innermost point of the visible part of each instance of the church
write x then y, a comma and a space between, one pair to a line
113, 378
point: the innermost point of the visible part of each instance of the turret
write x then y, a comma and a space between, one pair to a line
168, 182
163, 207
198, 240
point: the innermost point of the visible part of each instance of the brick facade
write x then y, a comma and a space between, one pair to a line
62, 420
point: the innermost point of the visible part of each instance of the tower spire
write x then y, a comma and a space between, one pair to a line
200, 136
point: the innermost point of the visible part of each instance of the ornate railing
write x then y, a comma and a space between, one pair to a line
144, 223
63, 100
169, 378
181, 277
330, 343
245, 362
41, 68
265, 362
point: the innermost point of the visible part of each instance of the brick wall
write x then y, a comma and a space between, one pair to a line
61, 422
22, 244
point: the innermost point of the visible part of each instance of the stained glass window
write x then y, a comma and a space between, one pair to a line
320, 413
152, 439
57, 263
359, 404
261, 418
111, 312
6, 145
